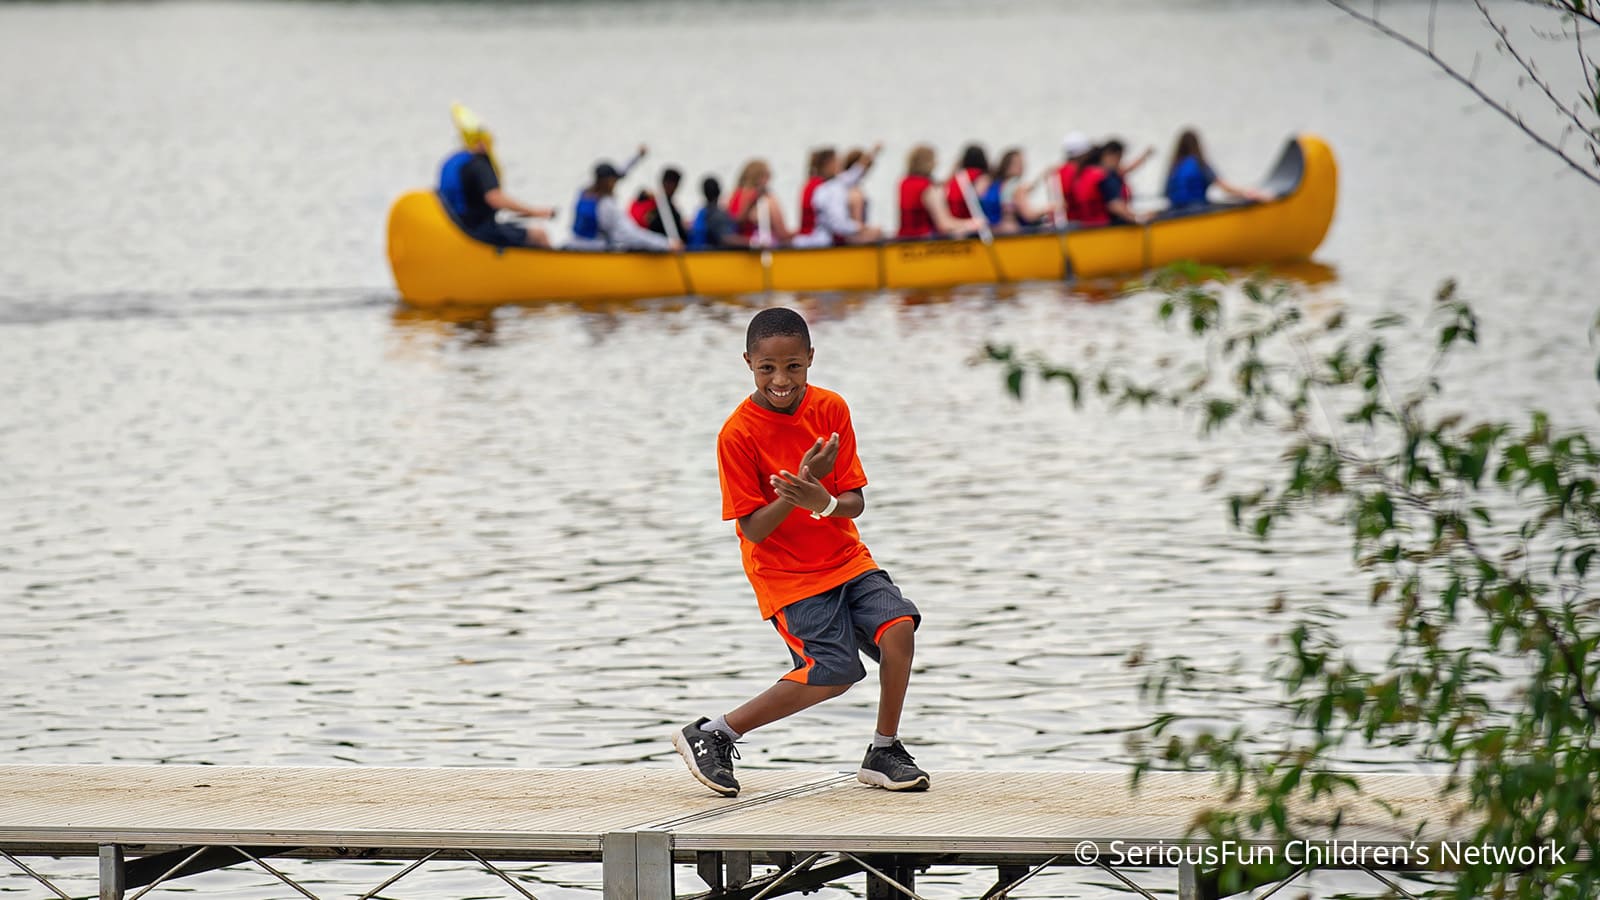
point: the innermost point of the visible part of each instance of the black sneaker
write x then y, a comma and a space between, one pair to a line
710, 755
891, 767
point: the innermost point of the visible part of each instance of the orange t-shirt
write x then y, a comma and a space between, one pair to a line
803, 556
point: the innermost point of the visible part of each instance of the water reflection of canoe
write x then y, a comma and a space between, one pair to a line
435, 264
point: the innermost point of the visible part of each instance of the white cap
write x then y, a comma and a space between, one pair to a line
1075, 144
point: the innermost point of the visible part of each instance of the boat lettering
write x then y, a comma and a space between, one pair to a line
913, 252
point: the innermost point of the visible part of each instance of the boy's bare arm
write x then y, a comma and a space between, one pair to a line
758, 525
851, 504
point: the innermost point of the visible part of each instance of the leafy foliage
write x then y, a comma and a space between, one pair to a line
1477, 540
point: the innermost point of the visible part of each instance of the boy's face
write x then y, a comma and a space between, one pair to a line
779, 363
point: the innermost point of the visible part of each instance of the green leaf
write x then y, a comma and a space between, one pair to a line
1580, 562
1218, 411
1014, 382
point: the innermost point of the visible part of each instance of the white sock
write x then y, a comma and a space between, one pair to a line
720, 723
879, 741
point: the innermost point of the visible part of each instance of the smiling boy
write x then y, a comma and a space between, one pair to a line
790, 476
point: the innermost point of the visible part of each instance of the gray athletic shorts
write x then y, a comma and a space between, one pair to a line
827, 634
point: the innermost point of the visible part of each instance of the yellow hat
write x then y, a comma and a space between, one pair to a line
470, 128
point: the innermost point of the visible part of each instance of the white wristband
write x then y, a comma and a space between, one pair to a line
833, 503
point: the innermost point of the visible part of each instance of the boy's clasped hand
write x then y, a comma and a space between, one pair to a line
805, 490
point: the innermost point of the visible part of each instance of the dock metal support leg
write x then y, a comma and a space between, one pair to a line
895, 867
1188, 881
618, 880
113, 872
1007, 878
653, 859
637, 865
724, 869
708, 864
736, 863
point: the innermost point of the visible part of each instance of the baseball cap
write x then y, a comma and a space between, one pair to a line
1076, 143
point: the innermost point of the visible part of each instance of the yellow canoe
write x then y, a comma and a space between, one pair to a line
436, 265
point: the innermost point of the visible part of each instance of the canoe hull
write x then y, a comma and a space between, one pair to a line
435, 264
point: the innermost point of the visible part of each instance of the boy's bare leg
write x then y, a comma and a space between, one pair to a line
887, 764
784, 699
895, 648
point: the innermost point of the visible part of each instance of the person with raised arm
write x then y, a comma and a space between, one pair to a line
599, 222
1102, 195
831, 201
856, 197
923, 210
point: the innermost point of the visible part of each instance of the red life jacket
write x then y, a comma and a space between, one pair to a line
915, 222
808, 213
1065, 176
741, 198
641, 208
1086, 191
956, 198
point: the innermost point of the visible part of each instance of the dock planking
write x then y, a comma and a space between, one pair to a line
637, 820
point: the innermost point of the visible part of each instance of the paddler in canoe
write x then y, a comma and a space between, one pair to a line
469, 187
599, 222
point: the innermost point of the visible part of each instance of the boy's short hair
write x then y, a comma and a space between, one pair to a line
711, 188
776, 322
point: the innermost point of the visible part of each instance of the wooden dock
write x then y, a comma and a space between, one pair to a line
151, 824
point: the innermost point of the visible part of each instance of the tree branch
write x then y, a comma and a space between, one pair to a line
1533, 74
1567, 6
1574, 663
1372, 21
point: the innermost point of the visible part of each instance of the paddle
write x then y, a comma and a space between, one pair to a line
764, 235
1058, 205
976, 209
670, 223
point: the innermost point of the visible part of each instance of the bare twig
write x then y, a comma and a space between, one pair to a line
1527, 66
1566, 6
1585, 64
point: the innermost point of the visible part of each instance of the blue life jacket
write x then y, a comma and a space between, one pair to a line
1187, 184
450, 190
990, 203
697, 231
586, 218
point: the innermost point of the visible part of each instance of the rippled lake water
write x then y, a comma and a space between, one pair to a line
255, 512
